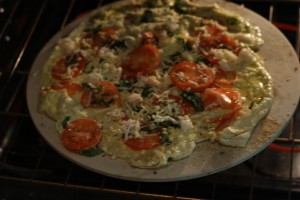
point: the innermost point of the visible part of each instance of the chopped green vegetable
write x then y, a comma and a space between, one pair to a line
165, 139
89, 69
65, 121
146, 91
147, 16
93, 29
232, 21
124, 85
103, 100
94, 151
194, 99
71, 59
167, 124
201, 59
185, 45
118, 44
178, 8
90, 87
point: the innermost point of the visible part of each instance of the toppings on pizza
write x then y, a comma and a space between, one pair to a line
81, 134
147, 81
141, 61
69, 67
100, 95
191, 76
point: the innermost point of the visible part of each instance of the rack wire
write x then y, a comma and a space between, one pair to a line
31, 169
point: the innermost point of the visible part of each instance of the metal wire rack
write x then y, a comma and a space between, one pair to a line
30, 169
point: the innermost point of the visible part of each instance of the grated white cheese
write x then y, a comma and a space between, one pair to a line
131, 129
67, 45
134, 99
185, 123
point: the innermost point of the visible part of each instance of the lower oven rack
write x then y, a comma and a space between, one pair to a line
31, 169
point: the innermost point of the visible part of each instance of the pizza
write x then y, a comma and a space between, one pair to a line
148, 81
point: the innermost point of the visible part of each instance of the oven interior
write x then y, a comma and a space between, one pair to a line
31, 169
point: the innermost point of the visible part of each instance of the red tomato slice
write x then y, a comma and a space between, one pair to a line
186, 107
97, 40
225, 120
72, 88
143, 60
102, 95
191, 76
81, 134
225, 98
225, 77
215, 38
109, 31
146, 142
149, 38
69, 67
91, 40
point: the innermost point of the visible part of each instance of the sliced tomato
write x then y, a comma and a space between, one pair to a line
96, 40
92, 41
191, 76
102, 94
81, 134
146, 142
109, 31
214, 37
143, 60
225, 120
69, 67
149, 38
72, 88
225, 98
185, 107
225, 77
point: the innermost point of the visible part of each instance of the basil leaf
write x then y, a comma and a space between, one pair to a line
200, 59
146, 91
94, 151
65, 121
167, 124
165, 139
124, 85
71, 59
178, 8
90, 87
147, 16
193, 99
118, 44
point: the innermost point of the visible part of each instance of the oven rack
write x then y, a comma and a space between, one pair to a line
31, 169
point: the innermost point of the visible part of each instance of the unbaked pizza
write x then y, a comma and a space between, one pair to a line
146, 81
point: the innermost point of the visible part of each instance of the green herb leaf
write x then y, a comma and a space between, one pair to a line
200, 59
94, 151
194, 100
124, 85
167, 124
232, 21
90, 87
147, 16
146, 91
93, 30
165, 139
178, 8
118, 44
65, 121
71, 59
